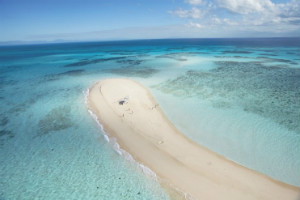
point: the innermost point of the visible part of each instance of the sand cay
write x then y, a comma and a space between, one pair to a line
129, 113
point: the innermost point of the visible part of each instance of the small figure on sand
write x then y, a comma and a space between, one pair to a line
154, 106
129, 111
124, 101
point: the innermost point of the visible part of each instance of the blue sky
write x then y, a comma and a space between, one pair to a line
80, 20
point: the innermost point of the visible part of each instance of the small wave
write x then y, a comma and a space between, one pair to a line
147, 171
116, 146
94, 116
106, 138
86, 95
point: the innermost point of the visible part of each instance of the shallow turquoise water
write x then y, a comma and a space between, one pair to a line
239, 98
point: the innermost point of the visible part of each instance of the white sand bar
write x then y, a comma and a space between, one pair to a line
142, 129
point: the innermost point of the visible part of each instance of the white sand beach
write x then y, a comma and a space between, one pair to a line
129, 113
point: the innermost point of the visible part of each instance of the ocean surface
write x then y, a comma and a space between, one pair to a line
237, 97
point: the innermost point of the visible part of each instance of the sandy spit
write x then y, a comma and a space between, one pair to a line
129, 113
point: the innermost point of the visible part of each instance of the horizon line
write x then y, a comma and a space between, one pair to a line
62, 41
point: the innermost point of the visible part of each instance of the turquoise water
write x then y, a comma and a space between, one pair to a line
238, 97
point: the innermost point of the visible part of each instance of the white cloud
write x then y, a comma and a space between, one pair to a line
262, 12
246, 6
196, 25
194, 2
243, 16
216, 21
194, 13
230, 22
290, 9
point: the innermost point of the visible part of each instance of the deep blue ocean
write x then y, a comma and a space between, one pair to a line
237, 97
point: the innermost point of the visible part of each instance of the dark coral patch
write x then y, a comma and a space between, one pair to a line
57, 119
237, 52
133, 71
270, 91
94, 61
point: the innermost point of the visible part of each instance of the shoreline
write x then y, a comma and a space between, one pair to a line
142, 130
